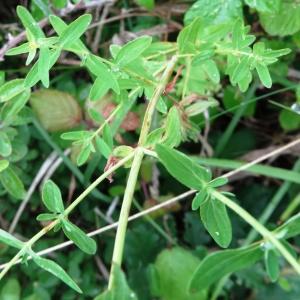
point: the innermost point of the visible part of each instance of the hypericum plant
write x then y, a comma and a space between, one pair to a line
178, 80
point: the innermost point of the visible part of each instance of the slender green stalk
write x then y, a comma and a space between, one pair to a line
42, 232
267, 235
133, 174
234, 122
272, 205
290, 209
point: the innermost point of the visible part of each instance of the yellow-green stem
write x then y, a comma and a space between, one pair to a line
133, 174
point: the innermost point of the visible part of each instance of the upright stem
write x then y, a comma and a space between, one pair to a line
133, 174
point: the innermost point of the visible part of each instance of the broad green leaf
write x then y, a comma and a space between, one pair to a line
80, 239
102, 147
264, 5
29, 22
98, 68
11, 89
56, 110
214, 11
200, 107
241, 70
217, 182
24, 48
215, 219
59, 3
183, 168
74, 30
289, 120
272, 264
264, 75
56, 270
171, 274
290, 228
212, 71
76, 135
12, 183
188, 36
132, 50
44, 65
11, 290
216, 265
172, 135
120, 290
10, 240
32, 76
199, 199
52, 197
99, 89
46, 217
59, 26
5, 145
11, 108
42, 6
107, 136
84, 154
3, 164
285, 21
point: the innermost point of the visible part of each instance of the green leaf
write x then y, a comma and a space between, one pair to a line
188, 36
120, 290
148, 4
3, 164
32, 76
44, 65
56, 270
270, 6
212, 71
171, 274
183, 168
199, 199
11, 108
218, 264
11, 290
264, 75
5, 145
56, 110
102, 147
76, 135
215, 219
241, 70
289, 120
80, 239
172, 135
29, 22
59, 26
84, 154
11, 89
214, 11
290, 228
285, 21
10, 240
52, 197
12, 183
24, 48
217, 182
46, 217
99, 89
103, 73
272, 264
132, 50
74, 31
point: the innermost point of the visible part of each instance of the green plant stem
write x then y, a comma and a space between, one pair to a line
266, 234
234, 122
133, 174
290, 209
42, 232
272, 205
